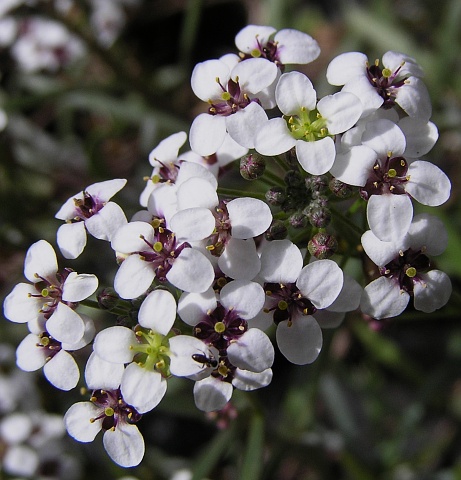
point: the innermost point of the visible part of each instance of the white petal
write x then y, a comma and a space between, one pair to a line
329, 319
248, 381
414, 98
420, 135
20, 460
321, 282
41, 260
207, 133
428, 184
142, 388
65, 325
124, 445
100, 374
113, 344
106, 222
349, 297
389, 216
354, 165
316, 157
252, 351
129, 238
296, 47
29, 356
191, 271
105, 190
77, 287
192, 224
300, 342
197, 193
203, 79
62, 371
432, 291
369, 97
294, 92
384, 136
341, 111
381, 253
77, 421
407, 65
71, 239
245, 296
167, 150
20, 306
428, 232
133, 277
382, 298
212, 394
248, 38
244, 125
274, 138
240, 259
249, 217
182, 348
189, 169
345, 67
158, 311
192, 307
281, 262
254, 74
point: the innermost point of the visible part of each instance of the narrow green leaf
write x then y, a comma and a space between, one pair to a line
253, 461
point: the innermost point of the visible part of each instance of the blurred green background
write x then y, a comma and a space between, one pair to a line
379, 403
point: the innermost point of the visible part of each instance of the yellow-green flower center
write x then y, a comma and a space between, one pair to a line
307, 126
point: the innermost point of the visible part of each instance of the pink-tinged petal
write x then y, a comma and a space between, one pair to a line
207, 133
30, 357
369, 97
71, 239
106, 222
40, 260
114, 344
62, 371
274, 138
316, 157
182, 350
432, 291
124, 445
414, 99
102, 374
382, 298
240, 260
167, 150
384, 136
20, 306
142, 388
246, 297
252, 351
321, 282
420, 135
197, 192
158, 311
428, 184
65, 325
389, 216
133, 277
77, 287
379, 252
204, 79
428, 232
248, 381
254, 74
104, 191
249, 217
78, 424
345, 67
191, 271
244, 125
301, 341
251, 36
295, 47
295, 92
281, 262
211, 394
192, 307
130, 237
341, 111
354, 165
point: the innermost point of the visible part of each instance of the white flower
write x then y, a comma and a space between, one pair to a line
237, 96
308, 125
52, 296
398, 81
405, 270
287, 46
90, 211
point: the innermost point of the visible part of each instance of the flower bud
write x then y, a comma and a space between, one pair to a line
319, 216
252, 166
277, 231
322, 245
298, 220
276, 196
293, 178
317, 183
108, 298
340, 189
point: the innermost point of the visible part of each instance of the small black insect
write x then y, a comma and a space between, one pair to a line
202, 358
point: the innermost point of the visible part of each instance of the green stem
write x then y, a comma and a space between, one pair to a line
90, 304
231, 192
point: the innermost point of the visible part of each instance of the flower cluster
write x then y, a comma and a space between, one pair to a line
210, 278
